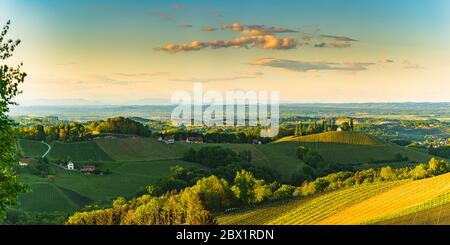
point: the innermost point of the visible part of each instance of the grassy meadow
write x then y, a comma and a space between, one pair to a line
135, 162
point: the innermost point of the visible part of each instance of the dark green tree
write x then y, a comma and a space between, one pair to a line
10, 78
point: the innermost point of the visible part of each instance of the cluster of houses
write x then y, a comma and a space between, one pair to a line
170, 139
441, 143
88, 169
435, 144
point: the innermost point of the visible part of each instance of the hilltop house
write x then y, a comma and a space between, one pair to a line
169, 139
89, 169
25, 161
70, 165
193, 139
256, 142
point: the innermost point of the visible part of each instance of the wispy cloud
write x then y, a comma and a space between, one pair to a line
385, 61
263, 42
338, 38
410, 65
305, 66
141, 75
237, 76
208, 29
67, 63
216, 14
186, 26
332, 45
164, 16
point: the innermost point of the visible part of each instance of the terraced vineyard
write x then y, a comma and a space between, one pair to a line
401, 202
31, 148
435, 215
309, 210
353, 138
392, 201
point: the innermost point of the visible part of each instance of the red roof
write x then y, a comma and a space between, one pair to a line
25, 160
87, 169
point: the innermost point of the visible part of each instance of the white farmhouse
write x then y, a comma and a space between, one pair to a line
70, 165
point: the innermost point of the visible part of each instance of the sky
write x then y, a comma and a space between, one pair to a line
136, 51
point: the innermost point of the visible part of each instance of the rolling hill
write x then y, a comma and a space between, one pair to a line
135, 162
31, 148
399, 202
354, 148
353, 138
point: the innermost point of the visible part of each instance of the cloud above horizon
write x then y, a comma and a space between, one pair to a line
305, 66
385, 61
238, 76
186, 26
263, 42
208, 29
338, 38
255, 30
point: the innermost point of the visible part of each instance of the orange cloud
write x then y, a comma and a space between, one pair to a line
254, 29
264, 42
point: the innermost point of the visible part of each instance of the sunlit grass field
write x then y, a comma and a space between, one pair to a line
401, 202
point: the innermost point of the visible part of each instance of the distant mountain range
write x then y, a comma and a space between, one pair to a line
85, 102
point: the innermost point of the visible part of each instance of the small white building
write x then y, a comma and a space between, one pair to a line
70, 165
24, 161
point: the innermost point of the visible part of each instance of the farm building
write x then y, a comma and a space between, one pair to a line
169, 139
193, 139
70, 165
89, 169
25, 161
256, 142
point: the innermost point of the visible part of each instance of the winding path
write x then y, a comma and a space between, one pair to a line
49, 148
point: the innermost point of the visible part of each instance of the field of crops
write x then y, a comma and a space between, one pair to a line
47, 196
81, 151
392, 201
139, 149
438, 215
31, 148
424, 201
307, 211
353, 138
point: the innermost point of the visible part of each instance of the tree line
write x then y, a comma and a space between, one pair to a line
73, 132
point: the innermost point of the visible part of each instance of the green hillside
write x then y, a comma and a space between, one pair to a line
136, 162
81, 151
31, 148
304, 211
399, 202
47, 196
439, 215
139, 149
354, 138
69, 190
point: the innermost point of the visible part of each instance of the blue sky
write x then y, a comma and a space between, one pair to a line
391, 50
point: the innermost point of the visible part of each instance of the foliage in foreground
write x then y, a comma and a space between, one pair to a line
10, 78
